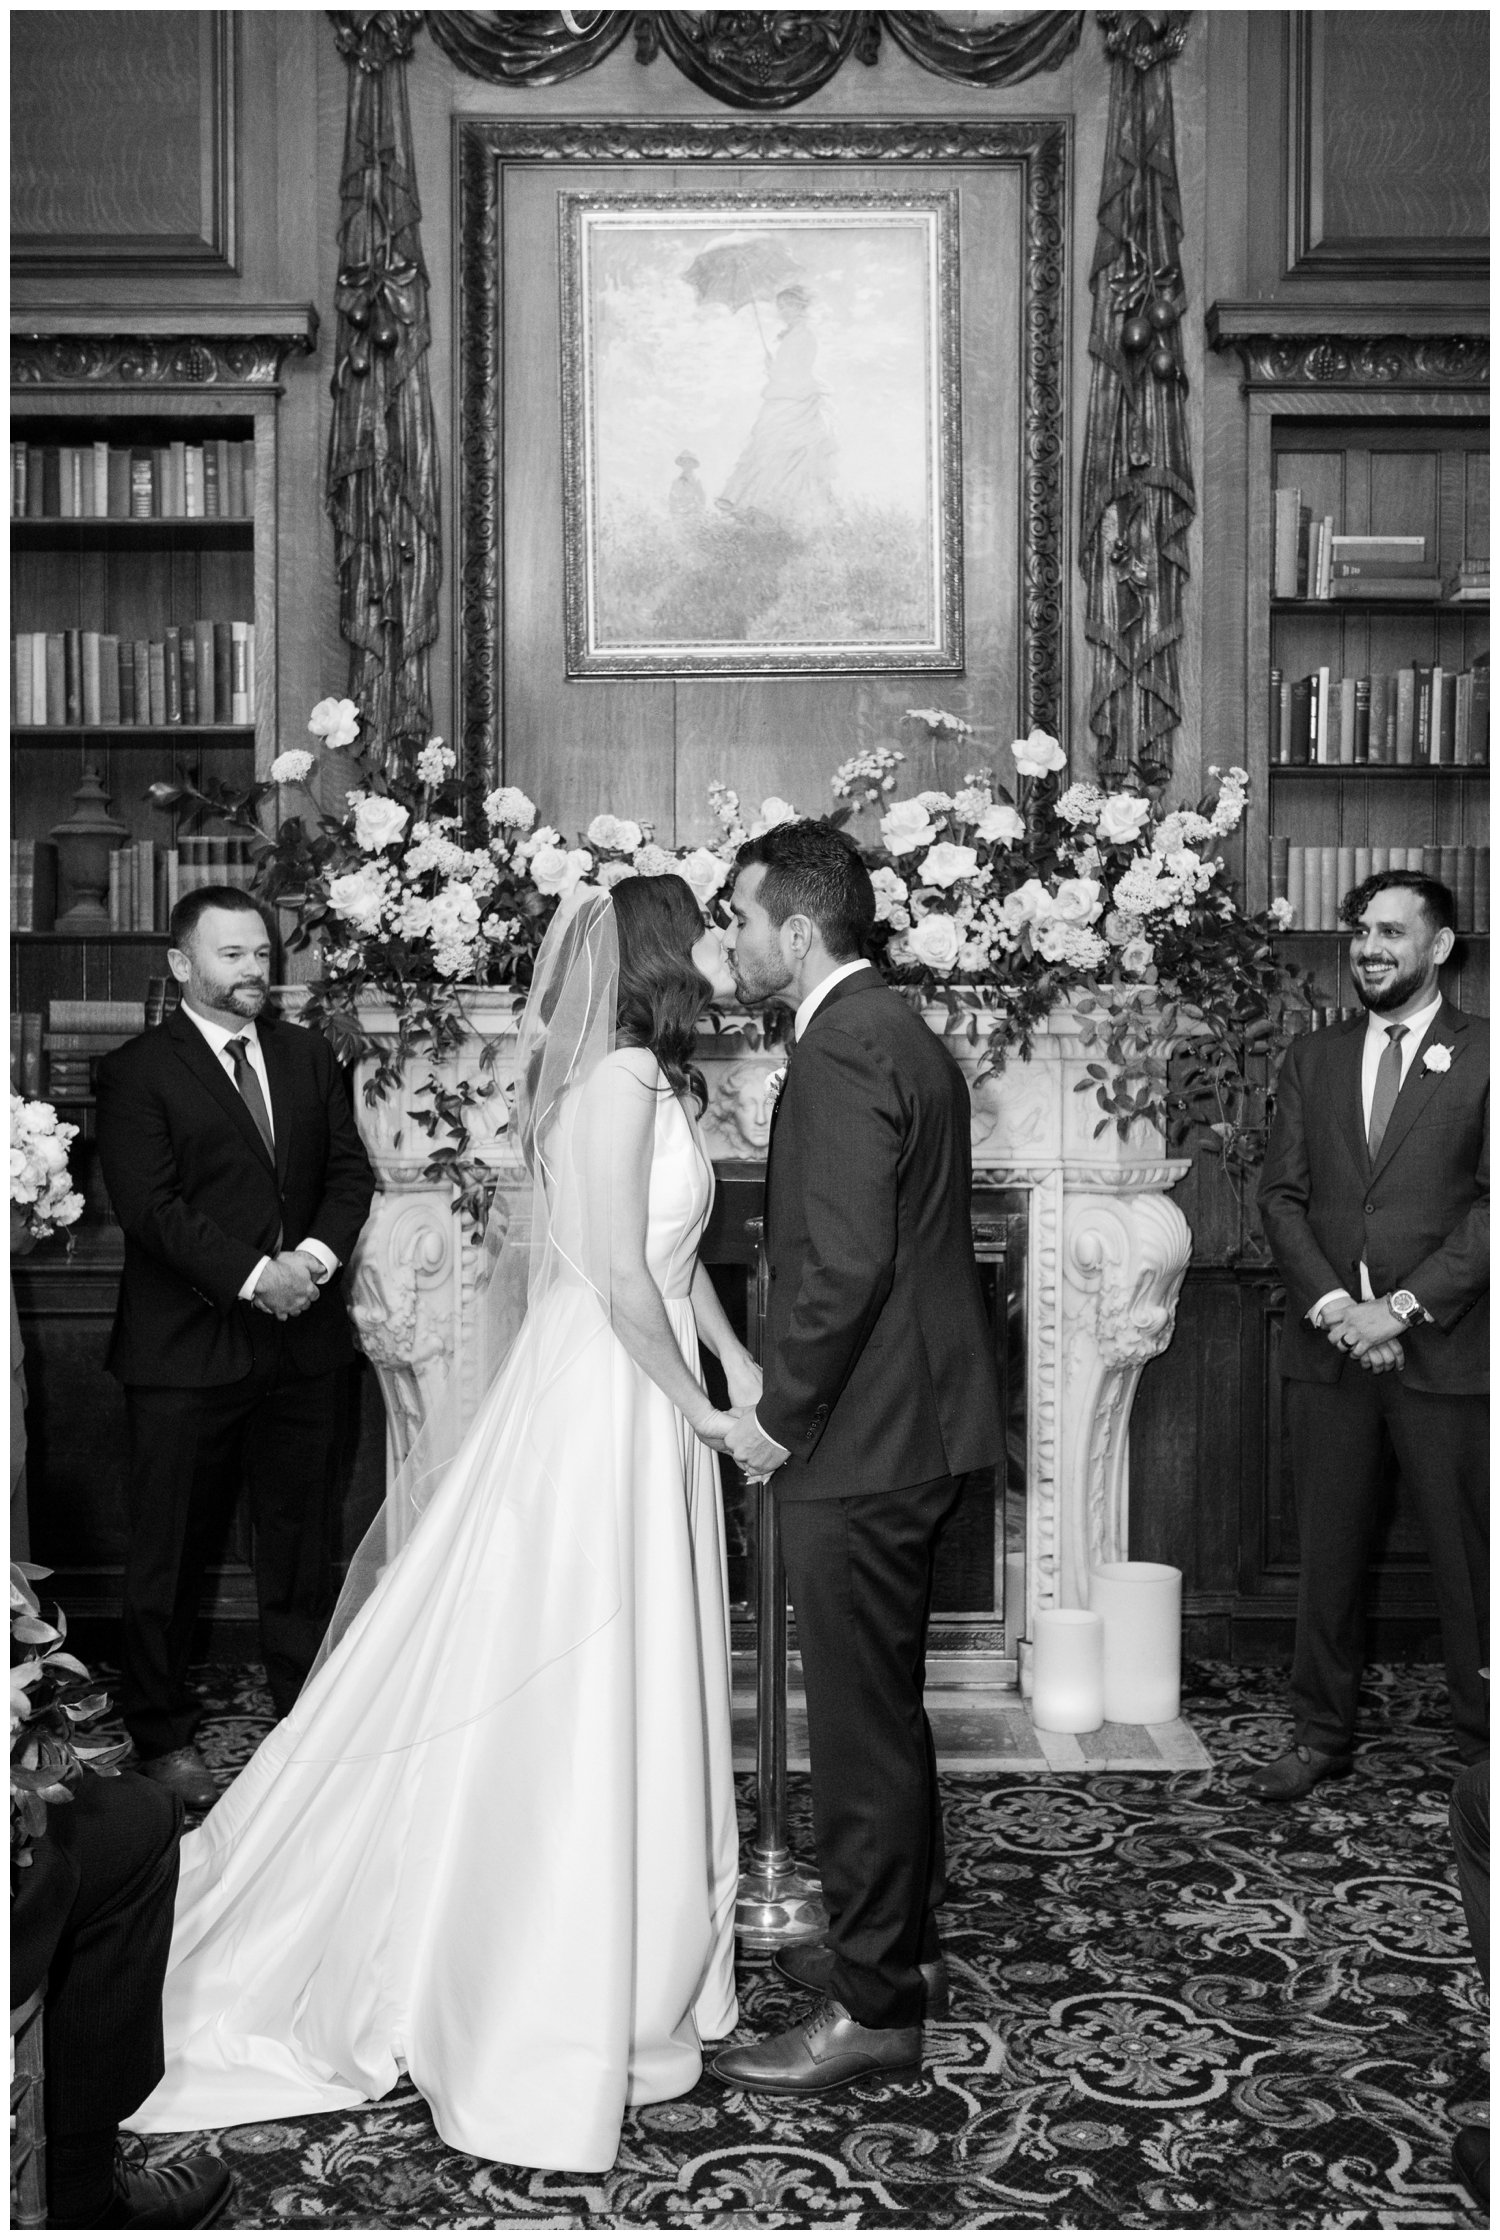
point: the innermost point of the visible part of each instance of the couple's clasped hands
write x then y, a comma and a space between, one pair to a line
288, 1285
734, 1430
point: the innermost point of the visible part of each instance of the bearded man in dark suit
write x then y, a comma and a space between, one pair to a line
1375, 1199
880, 1395
237, 1174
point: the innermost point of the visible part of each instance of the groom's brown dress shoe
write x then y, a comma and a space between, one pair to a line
826, 2049
1295, 1774
811, 1967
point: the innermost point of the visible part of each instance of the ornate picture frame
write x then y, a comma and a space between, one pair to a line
588, 155
761, 431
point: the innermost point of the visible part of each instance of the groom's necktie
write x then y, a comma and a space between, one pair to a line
247, 1082
1387, 1089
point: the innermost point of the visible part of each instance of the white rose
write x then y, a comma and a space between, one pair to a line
508, 806
1079, 900
291, 768
1001, 826
1136, 956
378, 822
704, 872
773, 811
1122, 818
359, 897
620, 835
558, 870
335, 722
1037, 754
934, 941
946, 864
543, 837
905, 827
1031, 904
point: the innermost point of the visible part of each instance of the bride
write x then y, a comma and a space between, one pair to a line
494, 1844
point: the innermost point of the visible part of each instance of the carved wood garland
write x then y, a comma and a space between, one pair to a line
750, 60
383, 482
1138, 499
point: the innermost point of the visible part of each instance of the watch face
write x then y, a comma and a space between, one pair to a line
1404, 1304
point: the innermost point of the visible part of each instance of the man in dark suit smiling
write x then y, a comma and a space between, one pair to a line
237, 1174
1375, 1199
880, 1394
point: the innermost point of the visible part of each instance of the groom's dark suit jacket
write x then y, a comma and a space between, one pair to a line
1418, 1216
878, 1359
200, 1200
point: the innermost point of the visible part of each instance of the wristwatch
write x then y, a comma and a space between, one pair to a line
1407, 1308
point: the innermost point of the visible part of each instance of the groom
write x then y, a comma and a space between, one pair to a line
880, 1393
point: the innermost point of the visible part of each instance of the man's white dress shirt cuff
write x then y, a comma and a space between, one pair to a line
315, 1250
247, 1288
1315, 1311
765, 1434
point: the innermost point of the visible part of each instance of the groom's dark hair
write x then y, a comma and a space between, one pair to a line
814, 872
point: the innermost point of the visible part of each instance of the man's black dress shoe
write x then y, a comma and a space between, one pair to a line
185, 1774
1295, 1774
826, 2049
1471, 2159
181, 2196
810, 1966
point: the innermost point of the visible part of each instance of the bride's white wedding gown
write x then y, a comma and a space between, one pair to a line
530, 1907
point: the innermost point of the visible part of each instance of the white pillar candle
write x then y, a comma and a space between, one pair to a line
1141, 1606
1067, 1688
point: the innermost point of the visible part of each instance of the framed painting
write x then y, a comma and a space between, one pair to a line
761, 433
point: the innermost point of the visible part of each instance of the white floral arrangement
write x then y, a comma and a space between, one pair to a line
1007, 899
42, 1197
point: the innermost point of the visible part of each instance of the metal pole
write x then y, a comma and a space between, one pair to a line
779, 1898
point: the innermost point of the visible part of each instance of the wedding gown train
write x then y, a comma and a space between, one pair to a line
494, 1845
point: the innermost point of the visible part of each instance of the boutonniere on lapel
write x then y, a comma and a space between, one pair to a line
1438, 1059
775, 1083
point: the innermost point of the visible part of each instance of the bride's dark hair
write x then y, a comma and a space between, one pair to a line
662, 994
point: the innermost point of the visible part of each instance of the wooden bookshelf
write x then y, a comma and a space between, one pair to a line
1387, 434
190, 378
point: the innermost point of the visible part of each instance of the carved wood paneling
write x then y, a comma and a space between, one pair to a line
135, 172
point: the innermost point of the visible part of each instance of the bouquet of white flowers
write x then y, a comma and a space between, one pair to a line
42, 1196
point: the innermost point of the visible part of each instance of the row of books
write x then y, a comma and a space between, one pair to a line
208, 481
1423, 713
200, 673
146, 882
58, 1054
1314, 879
1311, 560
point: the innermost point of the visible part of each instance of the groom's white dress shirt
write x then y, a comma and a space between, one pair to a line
218, 1039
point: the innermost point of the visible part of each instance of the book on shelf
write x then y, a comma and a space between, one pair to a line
1383, 571
33, 886
1410, 588
1314, 878
1421, 713
94, 1014
191, 675
213, 859
26, 1053
104, 481
162, 998
1388, 551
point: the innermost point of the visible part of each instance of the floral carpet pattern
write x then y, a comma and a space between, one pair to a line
1173, 2008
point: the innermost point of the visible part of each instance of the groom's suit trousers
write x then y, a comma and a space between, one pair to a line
859, 1571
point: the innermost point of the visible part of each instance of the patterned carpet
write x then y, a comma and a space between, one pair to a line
1173, 2009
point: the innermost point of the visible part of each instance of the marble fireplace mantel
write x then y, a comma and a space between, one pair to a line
1106, 1253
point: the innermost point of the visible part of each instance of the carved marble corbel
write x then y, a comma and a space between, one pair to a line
1124, 1258
401, 1300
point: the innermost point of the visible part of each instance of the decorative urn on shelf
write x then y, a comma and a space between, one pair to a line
85, 841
